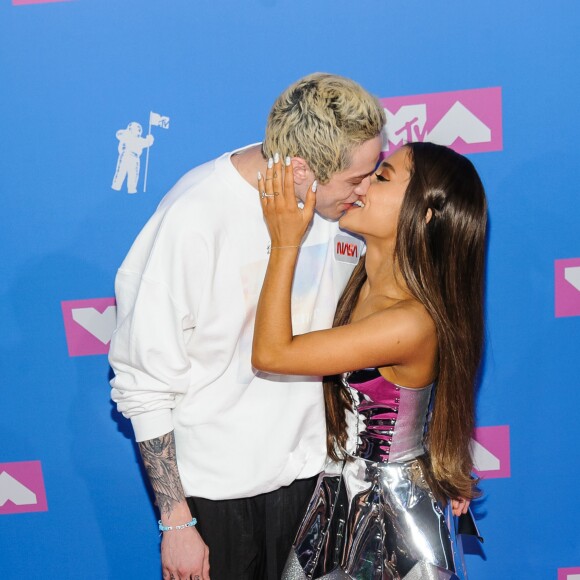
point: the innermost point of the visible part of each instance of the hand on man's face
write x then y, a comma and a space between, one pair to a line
344, 188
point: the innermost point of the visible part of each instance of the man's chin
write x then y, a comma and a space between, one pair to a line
331, 215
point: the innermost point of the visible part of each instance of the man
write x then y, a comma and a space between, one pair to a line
234, 449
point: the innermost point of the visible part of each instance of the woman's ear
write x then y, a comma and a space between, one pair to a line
301, 171
428, 215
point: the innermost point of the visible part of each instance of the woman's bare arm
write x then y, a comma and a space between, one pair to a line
391, 336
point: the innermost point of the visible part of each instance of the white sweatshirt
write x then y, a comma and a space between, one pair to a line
186, 301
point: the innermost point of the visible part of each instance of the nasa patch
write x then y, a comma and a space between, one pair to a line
347, 249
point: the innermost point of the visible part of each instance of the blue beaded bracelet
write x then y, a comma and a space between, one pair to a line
163, 528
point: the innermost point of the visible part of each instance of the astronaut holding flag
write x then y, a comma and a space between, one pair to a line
131, 145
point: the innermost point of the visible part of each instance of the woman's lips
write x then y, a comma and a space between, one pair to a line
355, 205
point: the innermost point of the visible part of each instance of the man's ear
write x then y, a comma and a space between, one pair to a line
301, 170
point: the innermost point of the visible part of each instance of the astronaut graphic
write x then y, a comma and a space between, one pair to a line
131, 145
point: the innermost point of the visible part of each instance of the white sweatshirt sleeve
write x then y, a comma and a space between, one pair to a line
157, 289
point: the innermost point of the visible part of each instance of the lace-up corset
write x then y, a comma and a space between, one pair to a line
391, 418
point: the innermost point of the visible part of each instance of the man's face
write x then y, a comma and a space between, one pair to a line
344, 188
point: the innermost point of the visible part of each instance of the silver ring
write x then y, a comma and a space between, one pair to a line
264, 194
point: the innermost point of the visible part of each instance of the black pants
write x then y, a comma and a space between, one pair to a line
250, 538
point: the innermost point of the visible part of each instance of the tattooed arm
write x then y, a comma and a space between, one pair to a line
161, 465
183, 552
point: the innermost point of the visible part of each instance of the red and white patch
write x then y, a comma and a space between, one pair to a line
347, 249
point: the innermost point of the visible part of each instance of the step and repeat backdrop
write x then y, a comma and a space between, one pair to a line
105, 104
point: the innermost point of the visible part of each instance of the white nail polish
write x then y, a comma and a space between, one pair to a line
259, 175
270, 163
314, 185
276, 157
287, 160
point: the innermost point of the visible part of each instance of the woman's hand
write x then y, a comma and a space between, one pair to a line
460, 506
287, 223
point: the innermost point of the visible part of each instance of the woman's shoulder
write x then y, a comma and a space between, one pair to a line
401, 308
416, 335
407, 318
409, 307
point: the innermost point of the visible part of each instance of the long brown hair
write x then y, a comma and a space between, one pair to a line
442, 263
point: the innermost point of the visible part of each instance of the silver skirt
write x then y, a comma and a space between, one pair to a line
374, 521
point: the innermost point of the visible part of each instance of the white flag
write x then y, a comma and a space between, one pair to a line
157, 120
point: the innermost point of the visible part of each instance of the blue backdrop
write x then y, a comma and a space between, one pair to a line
74, 76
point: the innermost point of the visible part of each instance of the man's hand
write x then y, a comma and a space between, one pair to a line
184, 555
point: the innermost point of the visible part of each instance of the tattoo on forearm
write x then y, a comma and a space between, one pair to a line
161, 465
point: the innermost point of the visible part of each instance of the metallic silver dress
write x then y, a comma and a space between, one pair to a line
376, 518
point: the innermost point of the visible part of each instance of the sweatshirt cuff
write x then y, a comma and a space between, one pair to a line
152, 424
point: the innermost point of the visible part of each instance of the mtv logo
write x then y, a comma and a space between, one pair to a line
89, 325
23, 2
490, 450
567, 287
468, 121
22, 488
569, 573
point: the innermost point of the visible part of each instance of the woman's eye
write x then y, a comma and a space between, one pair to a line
380, 177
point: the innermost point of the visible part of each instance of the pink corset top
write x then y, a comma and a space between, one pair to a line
391, 418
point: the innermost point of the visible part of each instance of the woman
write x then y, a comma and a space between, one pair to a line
407, 339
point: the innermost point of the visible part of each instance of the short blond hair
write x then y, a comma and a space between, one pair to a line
322, 118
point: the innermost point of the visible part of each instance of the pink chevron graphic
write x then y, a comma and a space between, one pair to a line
569, 573
468, 121
490, 449
89, 325
567, 287
22, 488
23, 2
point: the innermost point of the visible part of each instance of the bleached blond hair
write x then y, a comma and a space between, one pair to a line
322, 118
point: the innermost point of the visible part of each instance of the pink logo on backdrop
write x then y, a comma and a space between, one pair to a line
89, 325
490, 449
22, 488
569, 573
468, 121
567, 287
23, 2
